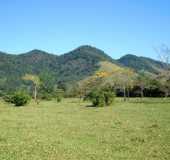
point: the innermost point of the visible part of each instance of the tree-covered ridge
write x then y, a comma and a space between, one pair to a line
66, 69
141, 63
80, 63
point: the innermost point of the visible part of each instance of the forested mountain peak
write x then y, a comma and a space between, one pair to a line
87, 51
36, 52
66, 68
141, 63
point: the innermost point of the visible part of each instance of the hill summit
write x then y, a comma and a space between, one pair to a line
67, 68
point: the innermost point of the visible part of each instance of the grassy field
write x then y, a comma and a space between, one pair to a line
72, 130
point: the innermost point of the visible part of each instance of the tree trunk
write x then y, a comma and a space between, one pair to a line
128, 93
142, 94
124, 92
166, 94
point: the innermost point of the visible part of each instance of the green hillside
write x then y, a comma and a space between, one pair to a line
67, 68
141, 63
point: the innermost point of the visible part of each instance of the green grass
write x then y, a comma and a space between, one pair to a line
71, 131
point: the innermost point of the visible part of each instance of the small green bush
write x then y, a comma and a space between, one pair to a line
46, 96
101, 97
20, 98
109, 97
8, 98
59, 94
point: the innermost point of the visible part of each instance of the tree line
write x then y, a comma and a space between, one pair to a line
100, 88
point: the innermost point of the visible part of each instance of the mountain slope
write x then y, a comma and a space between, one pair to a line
80, 63
68, 68
141, 63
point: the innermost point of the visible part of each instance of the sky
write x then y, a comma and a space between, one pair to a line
118, 27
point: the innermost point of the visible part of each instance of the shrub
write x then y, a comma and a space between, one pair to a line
59, 94
96, 97
101, 97
109, 97
46, 96
20, 98
8, 98
59, 98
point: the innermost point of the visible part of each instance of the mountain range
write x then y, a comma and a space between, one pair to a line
67, 68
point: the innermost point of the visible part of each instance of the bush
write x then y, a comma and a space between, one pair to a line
101, 97
8, 98
109, 97
59, 99
19, 98
96, 97
46, 96
59, 94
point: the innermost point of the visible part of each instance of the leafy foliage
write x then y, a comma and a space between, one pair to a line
109, 96
65, 69
19, 98
76, 68
33, 78
36, 82
101, 97
142, 63
58, 94
8, 98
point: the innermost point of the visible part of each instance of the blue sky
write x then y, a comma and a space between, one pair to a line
116, 26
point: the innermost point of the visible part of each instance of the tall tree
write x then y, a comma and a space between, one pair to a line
125, 80
164, 79
35, 81
164, 55
47, 79
164, 76
142, 80
117, 77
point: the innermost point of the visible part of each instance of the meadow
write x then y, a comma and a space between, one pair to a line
73, 130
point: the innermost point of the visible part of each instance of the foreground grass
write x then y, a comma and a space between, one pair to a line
71, 130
